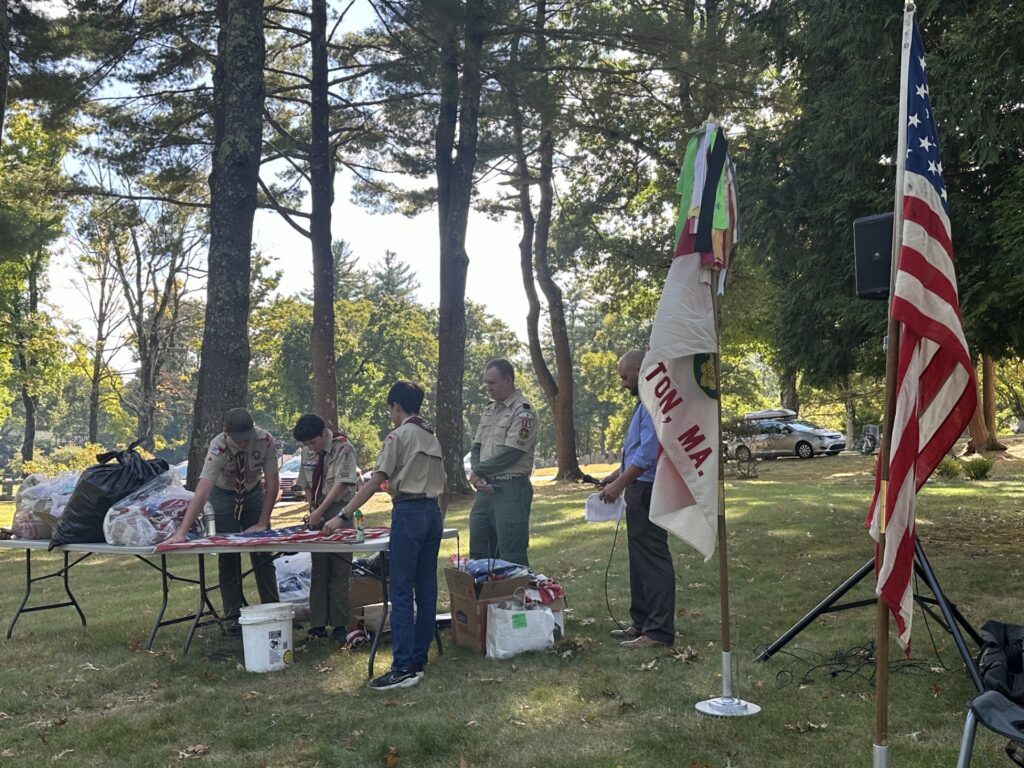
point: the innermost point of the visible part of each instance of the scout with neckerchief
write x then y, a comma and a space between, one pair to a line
237, 462
328, 476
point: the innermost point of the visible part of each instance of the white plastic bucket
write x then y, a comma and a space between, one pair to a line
267, 636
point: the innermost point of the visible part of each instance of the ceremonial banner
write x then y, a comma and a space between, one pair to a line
678, 384
936, 390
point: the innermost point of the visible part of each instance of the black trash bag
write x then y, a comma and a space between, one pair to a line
99, 487
1001, 661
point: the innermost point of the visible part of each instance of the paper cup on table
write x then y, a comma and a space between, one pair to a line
597, 511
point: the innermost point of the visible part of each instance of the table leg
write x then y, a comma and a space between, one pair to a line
384, 568
163, 605
30, 580
67, 586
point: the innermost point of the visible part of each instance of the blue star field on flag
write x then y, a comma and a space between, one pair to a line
922, 138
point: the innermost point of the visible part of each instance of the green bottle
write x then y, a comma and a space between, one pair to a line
357, 523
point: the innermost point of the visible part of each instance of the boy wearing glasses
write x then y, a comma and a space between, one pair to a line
410, 461
328, 475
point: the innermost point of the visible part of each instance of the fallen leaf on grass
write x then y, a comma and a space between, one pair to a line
936, 670
61, 754
4, 716
88, 665
391, 758
647, 666
324, 668
805, 727
472, 724
250, 695
193, 752
687, 654
462, 762
410, 704
587, 621
8, 753
936, 690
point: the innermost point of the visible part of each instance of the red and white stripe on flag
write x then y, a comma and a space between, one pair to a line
936, 391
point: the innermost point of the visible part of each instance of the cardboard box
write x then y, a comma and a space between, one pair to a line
370, 616
362, 591
469, 602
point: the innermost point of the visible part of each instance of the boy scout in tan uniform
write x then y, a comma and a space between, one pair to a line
411, 462
237, 462
328, 474
501, 462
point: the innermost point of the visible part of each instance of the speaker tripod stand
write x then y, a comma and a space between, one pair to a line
950, 619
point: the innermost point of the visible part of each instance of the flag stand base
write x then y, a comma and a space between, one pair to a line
726, 705
881, 756
951, 619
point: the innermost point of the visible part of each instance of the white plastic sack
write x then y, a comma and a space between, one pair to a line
39, 503
597, 511
514, 629
294, 574
151, 514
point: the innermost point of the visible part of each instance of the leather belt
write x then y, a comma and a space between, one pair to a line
508, 477
409, 496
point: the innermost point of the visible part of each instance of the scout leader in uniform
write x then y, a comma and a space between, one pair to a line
410, 461
237, 462
501, 462
328, 474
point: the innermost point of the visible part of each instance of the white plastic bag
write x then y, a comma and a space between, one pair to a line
513, 628
597, 511
151, 514
294, 575
39, 503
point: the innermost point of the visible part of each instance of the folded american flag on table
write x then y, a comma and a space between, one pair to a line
288, 535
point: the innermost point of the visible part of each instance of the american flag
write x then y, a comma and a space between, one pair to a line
936, 392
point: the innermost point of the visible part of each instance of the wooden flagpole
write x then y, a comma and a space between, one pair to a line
881, 746
727, 705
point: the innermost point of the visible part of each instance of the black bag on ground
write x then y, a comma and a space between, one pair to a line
99, 487
1001, 661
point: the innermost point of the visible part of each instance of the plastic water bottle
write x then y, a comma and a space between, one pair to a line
357, 523
209, 519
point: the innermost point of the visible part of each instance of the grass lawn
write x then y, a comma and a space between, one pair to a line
95, 697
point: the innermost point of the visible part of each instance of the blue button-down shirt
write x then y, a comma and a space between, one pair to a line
641, 446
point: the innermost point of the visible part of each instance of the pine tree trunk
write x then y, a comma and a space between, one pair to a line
237, 149
94, 393
988, 399
5, 61
982, 439
321, 169
534, 260
790, 394
456, 175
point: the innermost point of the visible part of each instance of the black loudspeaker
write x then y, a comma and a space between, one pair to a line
872, 252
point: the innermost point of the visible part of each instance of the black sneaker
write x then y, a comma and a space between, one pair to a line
394, 679
317, 633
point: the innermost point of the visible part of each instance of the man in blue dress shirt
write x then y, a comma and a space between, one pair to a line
652, 578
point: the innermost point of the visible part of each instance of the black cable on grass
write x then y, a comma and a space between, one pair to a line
856, 663
607, 570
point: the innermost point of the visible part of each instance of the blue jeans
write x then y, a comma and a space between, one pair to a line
415, 540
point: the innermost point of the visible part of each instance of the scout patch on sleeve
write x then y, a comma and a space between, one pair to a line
216, 450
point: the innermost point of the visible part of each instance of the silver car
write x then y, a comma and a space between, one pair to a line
781, 436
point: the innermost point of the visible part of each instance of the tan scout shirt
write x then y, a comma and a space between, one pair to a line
411, 458
260, 460
510, 423
339, 467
